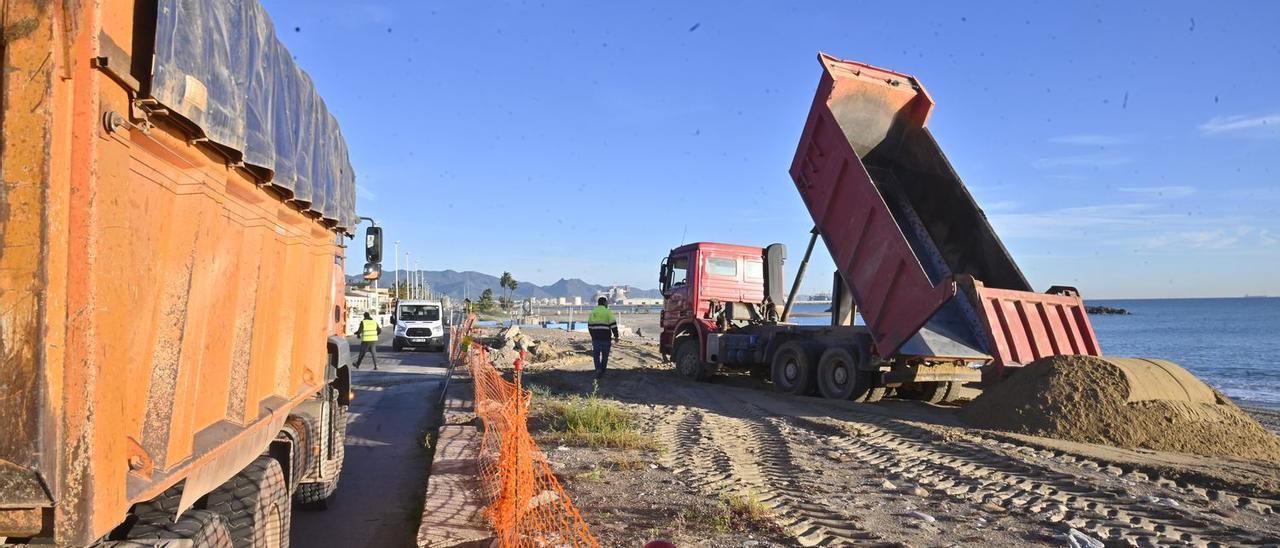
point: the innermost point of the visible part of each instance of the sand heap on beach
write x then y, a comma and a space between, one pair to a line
1086, 399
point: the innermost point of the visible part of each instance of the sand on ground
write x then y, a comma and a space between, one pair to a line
838, 472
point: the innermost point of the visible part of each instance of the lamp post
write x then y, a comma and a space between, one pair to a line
408, 276
396, 288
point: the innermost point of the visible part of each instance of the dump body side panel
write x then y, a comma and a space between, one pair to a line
855, 111
30, 91
902, 227
163, 309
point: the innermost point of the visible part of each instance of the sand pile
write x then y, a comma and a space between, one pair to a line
1085, 399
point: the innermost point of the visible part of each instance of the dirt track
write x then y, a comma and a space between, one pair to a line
841, 473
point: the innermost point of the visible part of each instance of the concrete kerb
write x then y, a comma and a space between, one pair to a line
453, 508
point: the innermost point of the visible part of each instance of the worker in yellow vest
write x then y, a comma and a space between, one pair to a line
601, 324
368, 330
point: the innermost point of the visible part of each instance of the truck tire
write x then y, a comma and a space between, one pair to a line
931, 392
873, 393
688, 362
794, 369
953, 392
838, 374
316, 495
842, 375
397, 345
205, 529
255, 504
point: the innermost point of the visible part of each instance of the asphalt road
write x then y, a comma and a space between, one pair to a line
379, 496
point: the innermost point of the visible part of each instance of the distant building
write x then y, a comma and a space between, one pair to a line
358, 303
640, 301
615, 295
577, 301
376, 301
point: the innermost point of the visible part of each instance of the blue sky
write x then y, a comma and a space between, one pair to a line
1128, 150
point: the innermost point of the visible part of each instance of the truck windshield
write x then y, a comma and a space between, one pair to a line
419, 313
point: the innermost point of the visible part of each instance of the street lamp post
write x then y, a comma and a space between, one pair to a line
408, 276
396, 289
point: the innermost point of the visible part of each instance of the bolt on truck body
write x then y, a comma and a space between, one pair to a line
174, 207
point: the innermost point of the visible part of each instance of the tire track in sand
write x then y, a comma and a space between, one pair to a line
968, 472
732, 447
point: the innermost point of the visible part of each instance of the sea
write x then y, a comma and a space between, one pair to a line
1232, 344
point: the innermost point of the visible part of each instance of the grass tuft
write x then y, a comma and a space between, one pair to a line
745, 512
590, 422
740, 512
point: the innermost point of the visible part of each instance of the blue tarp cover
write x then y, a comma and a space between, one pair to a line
219, 64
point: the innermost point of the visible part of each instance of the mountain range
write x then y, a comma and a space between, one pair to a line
458, 285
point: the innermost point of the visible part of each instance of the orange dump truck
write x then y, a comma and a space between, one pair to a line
174, 205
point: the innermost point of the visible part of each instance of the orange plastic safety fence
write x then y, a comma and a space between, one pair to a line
528, 507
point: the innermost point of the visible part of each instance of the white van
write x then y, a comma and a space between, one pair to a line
418, 324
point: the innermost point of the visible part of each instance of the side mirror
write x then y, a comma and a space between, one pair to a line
393, 319
373, 245
664, 274
372, 271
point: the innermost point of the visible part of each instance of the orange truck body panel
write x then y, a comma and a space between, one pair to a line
161, 311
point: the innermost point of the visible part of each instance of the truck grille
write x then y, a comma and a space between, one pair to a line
417, 332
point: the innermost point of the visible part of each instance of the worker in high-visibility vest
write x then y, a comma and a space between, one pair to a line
368, 330
601, 324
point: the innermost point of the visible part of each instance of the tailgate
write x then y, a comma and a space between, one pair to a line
1022, 326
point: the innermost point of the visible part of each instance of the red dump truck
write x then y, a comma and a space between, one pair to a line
175, 204
942, 300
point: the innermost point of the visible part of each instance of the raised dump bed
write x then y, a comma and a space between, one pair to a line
912, 245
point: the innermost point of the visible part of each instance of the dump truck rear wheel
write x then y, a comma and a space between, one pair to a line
838, 374
688, 362
316, 495
793, 369
932, 392
203, 528
255, 504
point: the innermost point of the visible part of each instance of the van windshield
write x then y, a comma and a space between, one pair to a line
420, 313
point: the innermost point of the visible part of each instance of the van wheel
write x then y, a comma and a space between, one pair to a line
793, 369
688, 362
397, 345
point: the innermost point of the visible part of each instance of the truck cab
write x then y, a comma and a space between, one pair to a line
418, 324
703, 281
712, 289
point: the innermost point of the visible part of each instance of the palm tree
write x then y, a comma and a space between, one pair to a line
505, 282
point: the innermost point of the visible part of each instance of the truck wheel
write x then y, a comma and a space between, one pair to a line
202, 527
841, 376
873, 393
255, 504
688, 362
316, 495
932, 392
397, 345
793, 369
953, 392
838, 374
